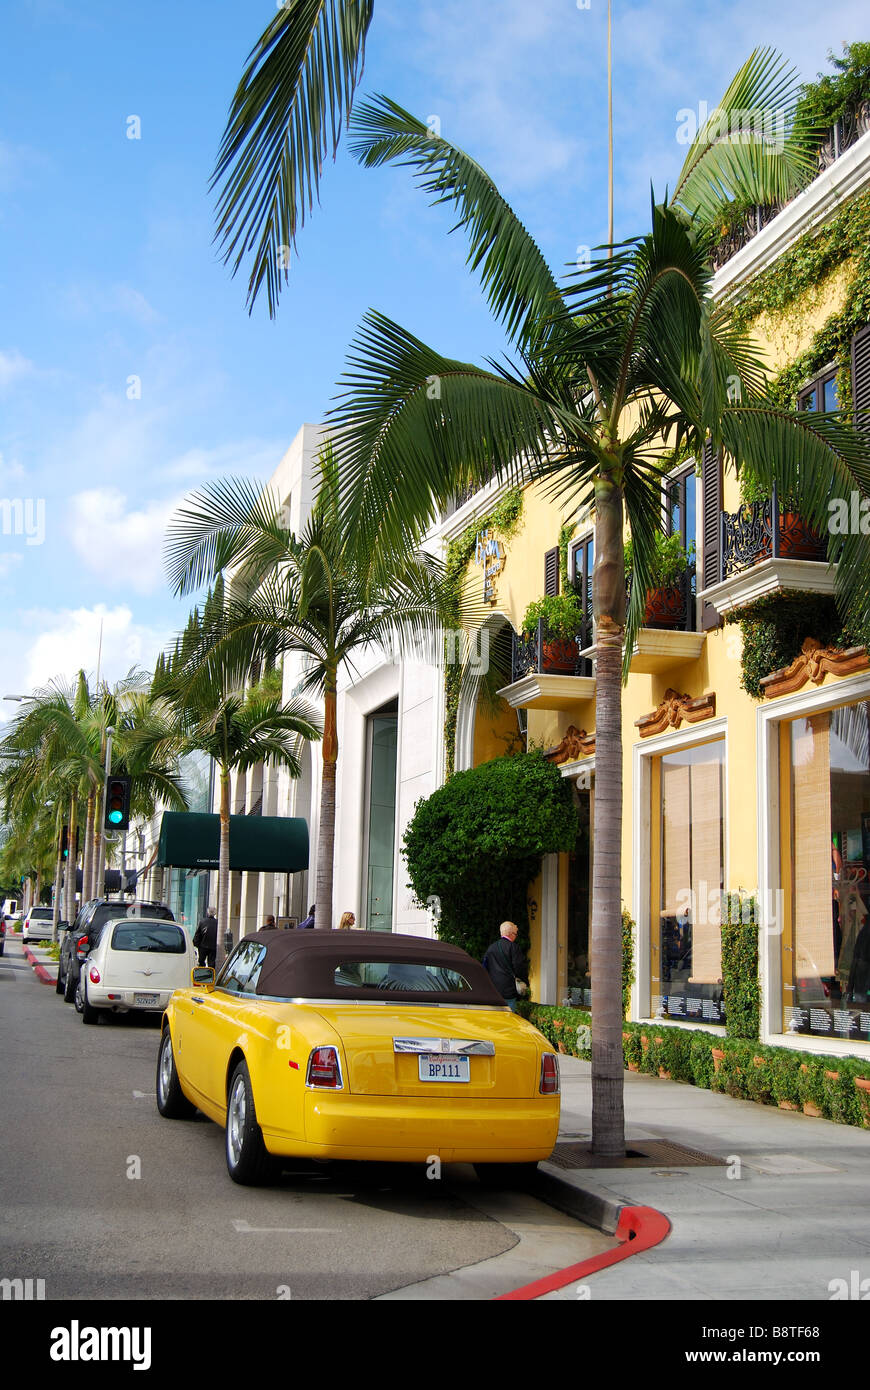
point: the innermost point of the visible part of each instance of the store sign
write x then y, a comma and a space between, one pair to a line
490, 554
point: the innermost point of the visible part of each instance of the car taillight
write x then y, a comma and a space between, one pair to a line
82, 943
324, 1069
549, 1074
94, 975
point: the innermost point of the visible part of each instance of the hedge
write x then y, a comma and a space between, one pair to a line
747, 1070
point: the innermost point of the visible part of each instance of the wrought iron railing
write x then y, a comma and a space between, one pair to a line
854, 123
763, 531
543, 651
673, 607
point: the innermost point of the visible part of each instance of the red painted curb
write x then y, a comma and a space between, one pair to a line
639, 1229
39, 970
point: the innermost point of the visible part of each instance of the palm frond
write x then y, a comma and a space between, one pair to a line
520, 288
285, 118
751, 148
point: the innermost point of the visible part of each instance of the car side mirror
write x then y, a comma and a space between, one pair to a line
202, 976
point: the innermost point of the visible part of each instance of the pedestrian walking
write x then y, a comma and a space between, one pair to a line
205, 939
347, 921
308, 923
506, 966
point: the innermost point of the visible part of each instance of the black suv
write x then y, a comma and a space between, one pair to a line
85, 932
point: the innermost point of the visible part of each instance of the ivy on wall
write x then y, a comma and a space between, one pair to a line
775, 628
504, 517
740, 965
846, 238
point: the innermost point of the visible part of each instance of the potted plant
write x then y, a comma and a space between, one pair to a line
562, 619
796, 539
664, 599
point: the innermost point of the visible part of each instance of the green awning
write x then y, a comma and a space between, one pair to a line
265, 844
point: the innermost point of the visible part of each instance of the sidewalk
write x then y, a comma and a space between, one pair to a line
794, 1216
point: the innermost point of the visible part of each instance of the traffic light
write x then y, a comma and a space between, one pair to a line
117, 803
64, 843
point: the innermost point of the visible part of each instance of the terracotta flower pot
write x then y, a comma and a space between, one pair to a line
664, 607
560, 655
632, 1066
759, 1061
664, 1074
788, 1105
862, 1083
810, 1109
718, 1057
644, 1042
797, 540
832, 1075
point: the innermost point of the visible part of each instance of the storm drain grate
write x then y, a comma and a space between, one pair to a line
640, 1153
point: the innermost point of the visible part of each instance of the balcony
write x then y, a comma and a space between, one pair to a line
764, 550
550, 672
854, 123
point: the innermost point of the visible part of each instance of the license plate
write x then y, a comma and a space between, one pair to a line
442, 1066
143, 1000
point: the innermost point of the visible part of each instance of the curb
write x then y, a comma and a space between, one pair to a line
38, 968
639, 1229
636, 1228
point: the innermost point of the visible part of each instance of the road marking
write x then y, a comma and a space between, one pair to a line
144, 1095
244, 1229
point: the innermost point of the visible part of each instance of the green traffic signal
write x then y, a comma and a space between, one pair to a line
118, 803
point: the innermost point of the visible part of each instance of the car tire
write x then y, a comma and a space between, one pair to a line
58, 984
69, 987
88, 1012
516, 1175
248, 1161
171, 1100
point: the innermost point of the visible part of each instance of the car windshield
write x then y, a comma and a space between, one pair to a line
149, 936
389, 975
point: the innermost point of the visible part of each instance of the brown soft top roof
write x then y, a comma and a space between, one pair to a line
301, 965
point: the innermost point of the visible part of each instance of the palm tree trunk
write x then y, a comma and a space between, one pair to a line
224, 864
88, 858
57, 896
326, 832
71, 865
608, 586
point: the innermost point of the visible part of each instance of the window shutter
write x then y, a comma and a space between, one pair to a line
861, 378
551, 571
711, 559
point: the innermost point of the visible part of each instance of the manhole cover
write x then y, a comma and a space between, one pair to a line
646, 1153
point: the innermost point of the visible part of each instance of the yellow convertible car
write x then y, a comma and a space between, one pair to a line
332, 1045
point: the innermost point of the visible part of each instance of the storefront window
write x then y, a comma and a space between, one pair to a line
826, 956
688, 879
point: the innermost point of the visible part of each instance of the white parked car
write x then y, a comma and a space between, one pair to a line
135, 965
37, 925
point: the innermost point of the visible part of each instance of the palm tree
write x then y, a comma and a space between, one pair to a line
206, 709
627, 361
314, 594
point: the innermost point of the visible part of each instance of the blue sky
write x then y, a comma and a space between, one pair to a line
108, 271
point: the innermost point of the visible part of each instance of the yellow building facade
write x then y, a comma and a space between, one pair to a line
763, 795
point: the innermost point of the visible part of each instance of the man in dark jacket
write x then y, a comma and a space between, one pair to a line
506, 964
205, 939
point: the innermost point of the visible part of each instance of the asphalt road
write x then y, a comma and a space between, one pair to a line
101, 1197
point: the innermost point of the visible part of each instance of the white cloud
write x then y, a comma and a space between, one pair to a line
68, 640
107, 537
10, 471
13, 366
